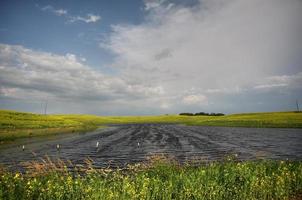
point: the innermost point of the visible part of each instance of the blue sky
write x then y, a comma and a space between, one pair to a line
150, 56
31, 24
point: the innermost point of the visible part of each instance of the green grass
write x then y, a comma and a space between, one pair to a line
162, 179
260, 120
229, 180
14, 125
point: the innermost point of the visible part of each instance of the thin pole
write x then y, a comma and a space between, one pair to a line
45, 109
297, 104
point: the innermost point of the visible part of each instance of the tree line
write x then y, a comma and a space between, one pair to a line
202, 114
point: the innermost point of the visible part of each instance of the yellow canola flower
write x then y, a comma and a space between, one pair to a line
69, 180
17, 175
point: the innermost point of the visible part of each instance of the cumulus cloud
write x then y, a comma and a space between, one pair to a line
213, 55
29, 74
217, 47
213, 47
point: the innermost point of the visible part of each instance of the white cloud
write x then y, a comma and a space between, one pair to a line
214, 91
59, 12
164, 105
195, 99
216, 55
268, 86
46, 8
153, 4
71, 57
237, 44
29, 74
8, 92
217, 47
233, 90
284, 81
90, 18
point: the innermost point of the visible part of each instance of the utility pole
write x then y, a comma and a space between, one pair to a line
297, 104
45, 108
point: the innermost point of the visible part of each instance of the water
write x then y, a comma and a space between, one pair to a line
122, 144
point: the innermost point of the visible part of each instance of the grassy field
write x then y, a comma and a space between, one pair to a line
261, 120
162, 179
15, 125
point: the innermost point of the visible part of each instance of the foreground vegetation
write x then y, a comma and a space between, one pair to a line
15, 125
161, 179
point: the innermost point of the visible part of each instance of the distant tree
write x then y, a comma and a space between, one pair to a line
202, 114
187, 114
216, 114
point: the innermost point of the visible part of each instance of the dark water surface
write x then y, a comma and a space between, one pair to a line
123, 144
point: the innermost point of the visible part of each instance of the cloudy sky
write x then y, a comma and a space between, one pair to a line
141, 57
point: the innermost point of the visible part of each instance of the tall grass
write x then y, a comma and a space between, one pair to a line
161, 179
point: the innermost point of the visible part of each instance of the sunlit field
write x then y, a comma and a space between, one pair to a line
15, 125
260, 120
158, 179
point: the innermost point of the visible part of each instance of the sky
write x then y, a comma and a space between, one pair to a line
149, 57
